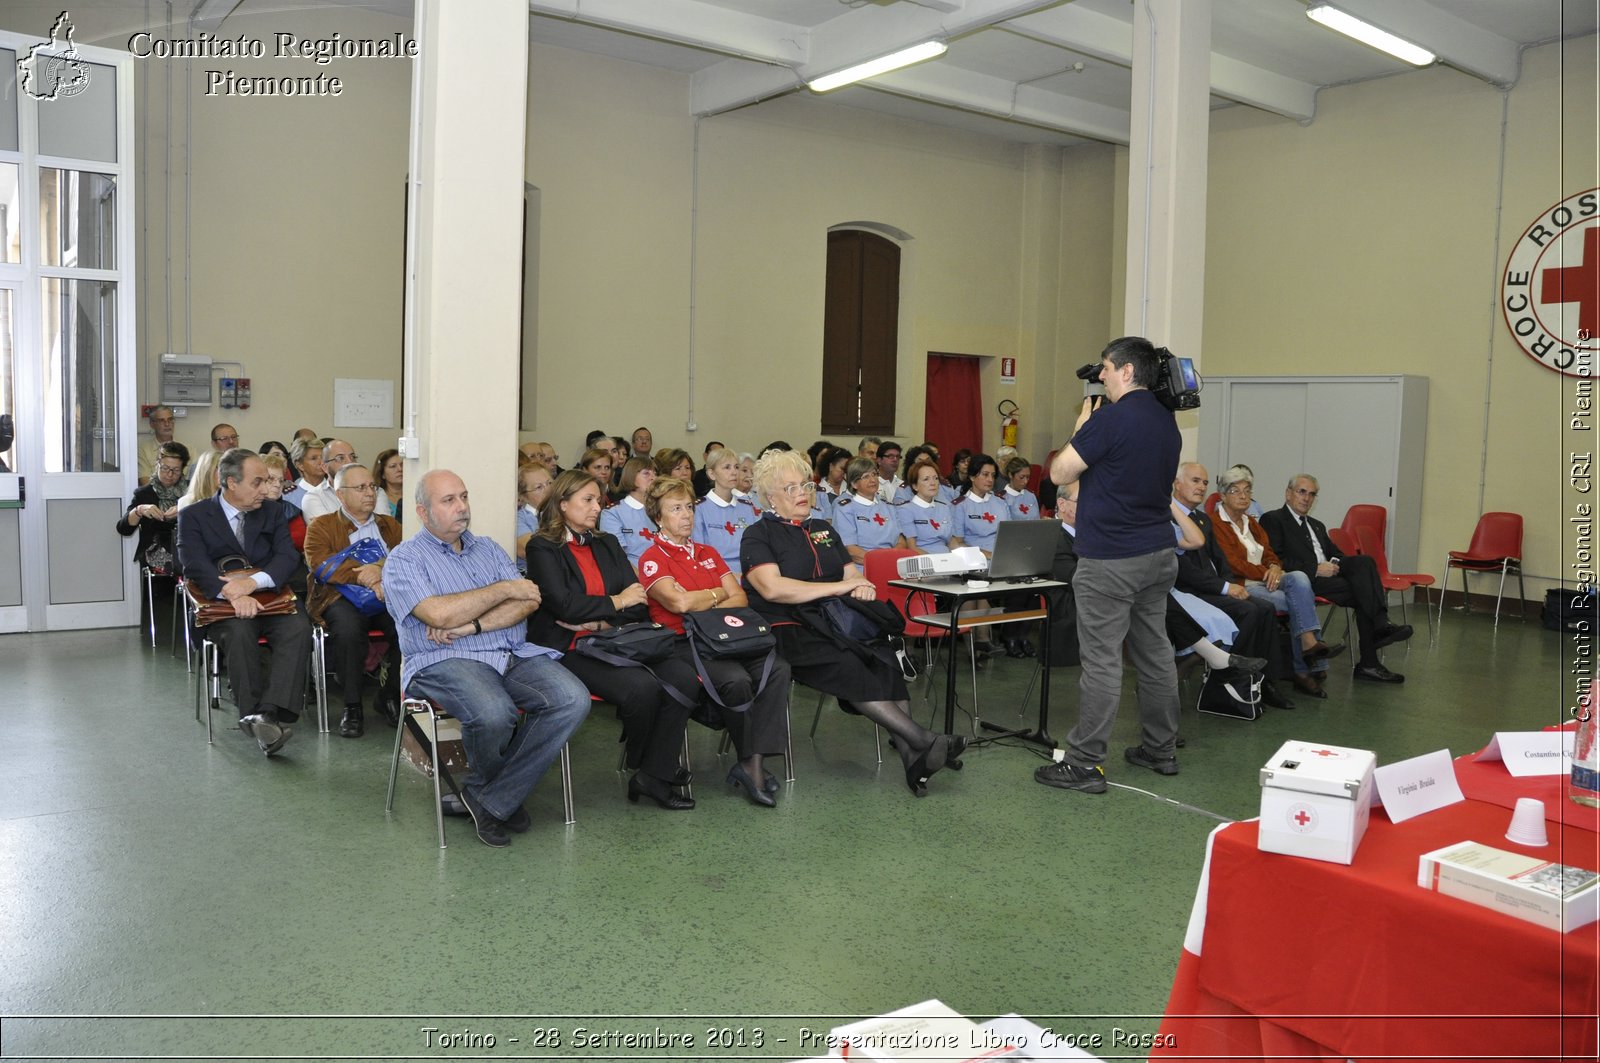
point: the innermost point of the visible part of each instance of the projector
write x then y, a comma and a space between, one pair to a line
956, 563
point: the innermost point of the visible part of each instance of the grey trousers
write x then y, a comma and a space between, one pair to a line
1117, 600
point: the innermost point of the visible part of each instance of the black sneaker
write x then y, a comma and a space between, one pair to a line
1160, 765
491, 831
1064, 775
519, 821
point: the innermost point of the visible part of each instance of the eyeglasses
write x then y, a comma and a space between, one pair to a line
225, 439
368, 489
1238, 489
1305, 493
799, 489
173, 469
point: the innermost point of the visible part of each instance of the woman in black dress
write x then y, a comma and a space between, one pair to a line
587, 584
153, 513
790, 558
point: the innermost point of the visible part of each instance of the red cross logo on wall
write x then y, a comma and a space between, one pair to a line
1578, 284
1550, 289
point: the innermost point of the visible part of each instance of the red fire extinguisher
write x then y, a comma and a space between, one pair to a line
1008, 423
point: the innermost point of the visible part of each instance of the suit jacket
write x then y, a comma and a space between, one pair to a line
205, 538
1205, 570
326, 536
1291, 543
564, 597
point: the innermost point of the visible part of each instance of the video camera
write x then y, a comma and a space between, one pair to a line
1177, 384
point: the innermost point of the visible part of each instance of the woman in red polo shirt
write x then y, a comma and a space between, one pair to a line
682, 576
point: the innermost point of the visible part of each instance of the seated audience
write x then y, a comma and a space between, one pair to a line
723, 515
960, 480
868, 448
980, 511
681, 575
533, 484
305, 455
587, 584
277, 475
702, 475
202, 479
389, 473
224, 437
1301, 540
163, 422
1022, 503
792, 559
1250, 557
642, 442
153, 512
321, 500
747, 478
830, 468
670, 461
627, 520
329, 535
239, 520
888, 460
926, 524
597, 438
460, 608
596, 461
272, 446
862, 519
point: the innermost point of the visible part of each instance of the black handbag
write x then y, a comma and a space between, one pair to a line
860, 626
1235, 695
635, 646
730, 634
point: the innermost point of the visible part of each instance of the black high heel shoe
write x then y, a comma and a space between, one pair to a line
740, 778
640, 784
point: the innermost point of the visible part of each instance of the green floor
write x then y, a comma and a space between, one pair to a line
162, 897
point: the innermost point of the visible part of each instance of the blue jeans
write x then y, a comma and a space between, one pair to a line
506, 760
1295, 597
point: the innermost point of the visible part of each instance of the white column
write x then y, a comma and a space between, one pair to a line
1167, 173
468, 289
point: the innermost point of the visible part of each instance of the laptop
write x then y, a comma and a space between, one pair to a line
1024, 549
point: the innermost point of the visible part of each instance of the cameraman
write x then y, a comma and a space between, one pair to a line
1124, 454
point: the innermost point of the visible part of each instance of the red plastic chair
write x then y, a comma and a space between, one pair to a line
1372, 545
1347, 543
1362, 515
1496, 544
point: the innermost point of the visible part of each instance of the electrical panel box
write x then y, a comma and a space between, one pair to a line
185, 380
241, 392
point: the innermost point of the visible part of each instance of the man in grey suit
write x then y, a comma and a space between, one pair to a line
241, 521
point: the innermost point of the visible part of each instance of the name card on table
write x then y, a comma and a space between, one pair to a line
1528, 753
1411, 787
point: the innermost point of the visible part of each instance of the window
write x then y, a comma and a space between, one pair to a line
860, 333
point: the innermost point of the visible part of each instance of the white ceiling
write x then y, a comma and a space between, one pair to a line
1033, 71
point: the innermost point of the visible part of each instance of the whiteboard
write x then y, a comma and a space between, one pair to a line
363, 403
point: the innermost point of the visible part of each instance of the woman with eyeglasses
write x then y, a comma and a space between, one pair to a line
863, 520
683, 575
588, 585
627, 520
533, 485
792, 558
1249, 552
153, 512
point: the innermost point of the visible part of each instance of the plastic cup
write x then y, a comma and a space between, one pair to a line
1527, 823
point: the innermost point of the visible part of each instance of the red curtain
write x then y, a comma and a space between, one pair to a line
953, 417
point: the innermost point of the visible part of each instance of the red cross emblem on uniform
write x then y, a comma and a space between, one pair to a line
1023, 509
727, 526
878, 519
934, 523
989, 517
646, 533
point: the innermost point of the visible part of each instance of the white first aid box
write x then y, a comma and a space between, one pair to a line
1315, 801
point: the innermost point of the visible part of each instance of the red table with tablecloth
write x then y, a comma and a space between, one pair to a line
1294, 958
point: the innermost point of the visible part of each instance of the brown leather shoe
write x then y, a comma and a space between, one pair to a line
1307, 684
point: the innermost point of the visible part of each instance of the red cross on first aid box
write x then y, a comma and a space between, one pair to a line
1315, 801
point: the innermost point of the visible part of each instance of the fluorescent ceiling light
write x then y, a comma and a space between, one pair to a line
1367, 33
882, 65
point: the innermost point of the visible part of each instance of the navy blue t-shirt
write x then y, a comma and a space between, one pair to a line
1131, 447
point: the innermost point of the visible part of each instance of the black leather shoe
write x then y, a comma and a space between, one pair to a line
1390, 635
682, 777
491, 831
388, 707
1377, 673
519, 821
1028, 648
769, 781
268, 733
1247, 665
1273, 697
1321, 651
1143, 758
740, 779
642, 785
351, 725
1308, 685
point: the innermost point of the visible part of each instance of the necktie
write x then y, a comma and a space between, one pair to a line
238, 529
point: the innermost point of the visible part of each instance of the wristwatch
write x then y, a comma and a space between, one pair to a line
477, 626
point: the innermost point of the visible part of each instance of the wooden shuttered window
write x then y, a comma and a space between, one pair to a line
860, 334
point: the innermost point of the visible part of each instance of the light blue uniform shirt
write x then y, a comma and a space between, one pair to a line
928, 525
1023, 504
720, 525
632, 527
978, 521
865, 525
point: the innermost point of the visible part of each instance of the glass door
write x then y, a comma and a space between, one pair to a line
67, 356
